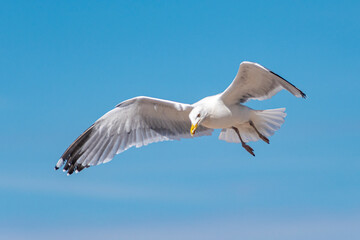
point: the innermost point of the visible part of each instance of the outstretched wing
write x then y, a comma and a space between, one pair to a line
135, 122
253, 81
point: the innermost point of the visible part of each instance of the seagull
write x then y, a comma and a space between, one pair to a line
142, 120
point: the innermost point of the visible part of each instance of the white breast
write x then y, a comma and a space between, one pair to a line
223, 116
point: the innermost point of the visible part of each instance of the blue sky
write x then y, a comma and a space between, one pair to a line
63, 64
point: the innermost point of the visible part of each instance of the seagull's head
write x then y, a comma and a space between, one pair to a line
197, 115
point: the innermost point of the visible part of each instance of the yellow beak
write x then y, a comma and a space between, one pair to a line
193, 129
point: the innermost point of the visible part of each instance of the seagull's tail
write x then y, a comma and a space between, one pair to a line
265, 121
269, 121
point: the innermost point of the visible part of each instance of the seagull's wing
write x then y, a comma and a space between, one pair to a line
253, 81
135, 122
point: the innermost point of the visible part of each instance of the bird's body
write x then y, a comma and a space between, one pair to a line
143, 120
221, 115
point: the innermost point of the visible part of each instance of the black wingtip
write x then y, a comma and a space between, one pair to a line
56, 168
71, 169
73, 153
66, 167
79, 168
303, 95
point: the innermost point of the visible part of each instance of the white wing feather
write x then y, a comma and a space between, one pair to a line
254, 81
135, 122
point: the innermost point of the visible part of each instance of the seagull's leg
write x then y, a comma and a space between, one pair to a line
265, 139
244, 145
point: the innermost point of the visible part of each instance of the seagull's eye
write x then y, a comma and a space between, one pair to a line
198, 115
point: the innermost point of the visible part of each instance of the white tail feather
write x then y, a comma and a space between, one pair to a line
265, 121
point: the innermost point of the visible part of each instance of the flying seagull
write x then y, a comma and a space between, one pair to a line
143, 120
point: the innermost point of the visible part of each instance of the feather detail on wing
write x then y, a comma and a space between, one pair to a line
253, 81
135, 122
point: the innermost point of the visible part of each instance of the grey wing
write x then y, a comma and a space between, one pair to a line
254, 81
135, 122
